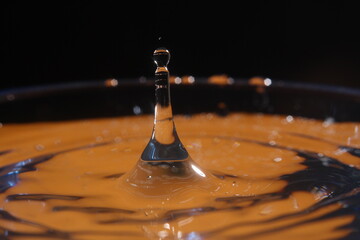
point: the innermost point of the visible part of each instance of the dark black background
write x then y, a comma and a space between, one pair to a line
48, 42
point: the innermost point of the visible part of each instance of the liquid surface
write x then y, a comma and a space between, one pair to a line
267, 177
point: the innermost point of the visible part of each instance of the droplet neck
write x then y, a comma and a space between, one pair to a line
164, 144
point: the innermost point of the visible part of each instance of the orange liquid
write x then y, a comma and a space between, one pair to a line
244, 156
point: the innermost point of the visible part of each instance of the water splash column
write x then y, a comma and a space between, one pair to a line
164, 143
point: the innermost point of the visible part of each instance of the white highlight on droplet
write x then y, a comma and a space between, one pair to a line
266, 210
114, 82
191, 79
289, 118
177, 80
328, 121
137, 110
267, 82
163, 234
198, 171
272, 143
167, 226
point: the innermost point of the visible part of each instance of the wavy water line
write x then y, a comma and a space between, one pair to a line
340, 180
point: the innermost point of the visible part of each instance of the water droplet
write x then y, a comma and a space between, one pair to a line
111, 82
190, 80
137, 110
194, 236
209, 116
267, 82
220, 80
161, 59
39, 147
328, 121
295, 202
340, 151
356, 131
177, 80
236, 144
260, 83
189, 146
163, 234
289, 118
272, 143
277, 159
266, 210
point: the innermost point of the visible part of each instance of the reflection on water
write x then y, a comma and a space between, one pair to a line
261, 177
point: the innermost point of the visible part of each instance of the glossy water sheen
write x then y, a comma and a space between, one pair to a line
252, 177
